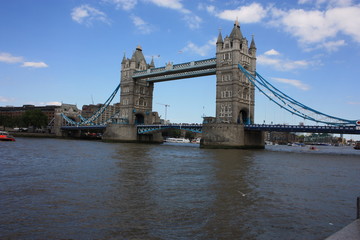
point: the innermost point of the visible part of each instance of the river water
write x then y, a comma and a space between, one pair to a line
74, 189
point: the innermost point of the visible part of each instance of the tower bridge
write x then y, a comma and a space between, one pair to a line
236, 80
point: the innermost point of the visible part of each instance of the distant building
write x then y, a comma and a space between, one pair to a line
11, 111
91, 109
280, 137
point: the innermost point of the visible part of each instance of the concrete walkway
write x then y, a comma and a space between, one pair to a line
350, 232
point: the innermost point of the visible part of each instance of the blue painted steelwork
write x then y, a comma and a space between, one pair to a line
197, 128
68, 120
91, 127
96, 115
144, 129
300, 128
102, 109
291, 105
82, 118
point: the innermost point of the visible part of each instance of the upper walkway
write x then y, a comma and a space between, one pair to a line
178, 71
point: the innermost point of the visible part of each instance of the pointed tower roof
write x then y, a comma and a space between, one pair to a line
220, 38
236, 32
252, 44
152, 64
138, 56
124, 59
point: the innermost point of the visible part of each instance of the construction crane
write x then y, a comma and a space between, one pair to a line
166, 106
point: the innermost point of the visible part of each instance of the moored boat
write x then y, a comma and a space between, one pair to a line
5, 136
357, 146
177, 140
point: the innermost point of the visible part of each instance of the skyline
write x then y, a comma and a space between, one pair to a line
70, 52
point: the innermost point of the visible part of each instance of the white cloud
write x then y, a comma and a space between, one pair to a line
8, 58
85, 14
272, 52
193, 21
296, 83
320, 27
329, 3
324, 26
353, 103
52, 103
35, 64
281, 64
332, 46
5, 99
210, 9
203, 50
172, 4
245, 14
123, 4
141, 25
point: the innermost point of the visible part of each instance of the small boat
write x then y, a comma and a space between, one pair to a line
177, 140
357, 146
5, 136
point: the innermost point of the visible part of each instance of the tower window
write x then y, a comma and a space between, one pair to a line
227, 56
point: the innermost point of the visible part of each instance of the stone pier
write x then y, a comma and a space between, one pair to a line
227, 135
128, 133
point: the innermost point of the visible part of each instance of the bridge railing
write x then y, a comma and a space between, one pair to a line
304, 128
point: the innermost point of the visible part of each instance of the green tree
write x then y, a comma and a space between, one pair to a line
35, 118
4, 121
190, 135
176, 133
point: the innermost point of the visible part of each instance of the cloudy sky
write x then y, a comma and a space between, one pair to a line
70, 51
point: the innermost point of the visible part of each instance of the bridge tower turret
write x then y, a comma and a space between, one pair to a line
235, 95
136, 95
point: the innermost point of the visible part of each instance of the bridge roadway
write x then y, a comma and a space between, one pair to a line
146, 129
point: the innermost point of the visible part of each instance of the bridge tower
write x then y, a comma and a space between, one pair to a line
135, 103
136, 95
235, 95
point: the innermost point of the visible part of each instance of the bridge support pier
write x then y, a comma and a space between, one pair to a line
227, 135
128, 133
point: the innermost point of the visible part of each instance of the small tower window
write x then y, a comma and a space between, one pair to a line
227, 56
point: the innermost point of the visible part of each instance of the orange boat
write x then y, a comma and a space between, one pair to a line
5, 136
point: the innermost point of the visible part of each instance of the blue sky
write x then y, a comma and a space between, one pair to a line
70, 51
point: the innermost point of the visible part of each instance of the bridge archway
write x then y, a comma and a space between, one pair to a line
139, 118
243, 117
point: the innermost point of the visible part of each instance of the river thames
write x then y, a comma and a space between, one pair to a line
74, 189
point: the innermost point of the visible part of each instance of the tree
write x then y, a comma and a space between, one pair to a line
190, 135
35, 118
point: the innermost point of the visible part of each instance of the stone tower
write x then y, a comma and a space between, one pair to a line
136, 95
235, 95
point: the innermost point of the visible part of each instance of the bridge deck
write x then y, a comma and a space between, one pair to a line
304, 128
145, 129
88, 127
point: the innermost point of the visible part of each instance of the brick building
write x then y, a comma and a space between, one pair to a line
11, 111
